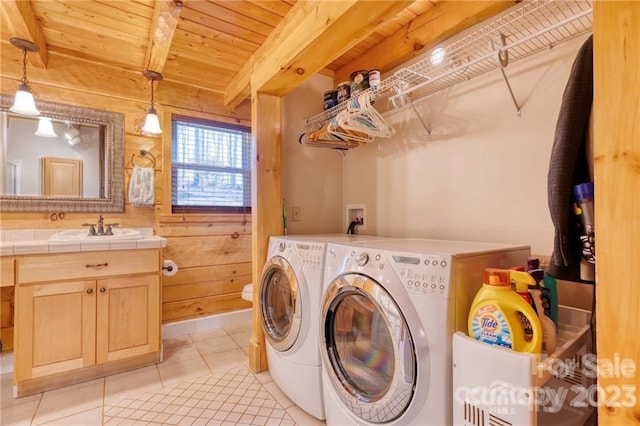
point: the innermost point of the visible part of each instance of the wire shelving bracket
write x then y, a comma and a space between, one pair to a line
529, 28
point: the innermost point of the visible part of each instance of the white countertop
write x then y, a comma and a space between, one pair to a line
36, 241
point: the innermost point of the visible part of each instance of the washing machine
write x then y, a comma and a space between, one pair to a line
388, 314
290, 294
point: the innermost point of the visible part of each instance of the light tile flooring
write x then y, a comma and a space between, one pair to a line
204, 379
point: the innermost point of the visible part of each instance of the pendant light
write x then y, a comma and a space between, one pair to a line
45, 128
23, 102
151, 121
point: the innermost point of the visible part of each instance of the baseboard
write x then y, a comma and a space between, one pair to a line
172, 329
194, 325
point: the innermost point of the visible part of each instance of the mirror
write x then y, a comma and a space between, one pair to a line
74, 163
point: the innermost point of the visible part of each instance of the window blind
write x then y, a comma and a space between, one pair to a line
210, 166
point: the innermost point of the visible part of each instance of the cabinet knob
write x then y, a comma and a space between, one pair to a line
89, 290
102, 289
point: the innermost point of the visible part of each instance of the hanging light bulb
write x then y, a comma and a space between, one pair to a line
23, 102
45, 128
151, 121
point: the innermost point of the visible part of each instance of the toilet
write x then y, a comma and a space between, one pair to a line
247, 292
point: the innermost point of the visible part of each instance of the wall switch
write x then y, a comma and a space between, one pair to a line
295, 214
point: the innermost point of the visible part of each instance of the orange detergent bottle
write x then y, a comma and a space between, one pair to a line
495, 315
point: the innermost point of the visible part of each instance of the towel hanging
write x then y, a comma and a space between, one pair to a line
141, 186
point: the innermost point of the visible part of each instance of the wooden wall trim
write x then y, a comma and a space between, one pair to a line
266, 193
617, 205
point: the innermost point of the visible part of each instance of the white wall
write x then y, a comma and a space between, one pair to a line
482, 173
312, 177
23, 145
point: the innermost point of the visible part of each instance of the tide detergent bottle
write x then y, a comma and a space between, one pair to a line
495, 315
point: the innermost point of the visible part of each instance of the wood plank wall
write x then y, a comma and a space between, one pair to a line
617, 208
213, 263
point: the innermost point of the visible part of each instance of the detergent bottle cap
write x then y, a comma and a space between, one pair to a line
533, 263
496, 277
517, 268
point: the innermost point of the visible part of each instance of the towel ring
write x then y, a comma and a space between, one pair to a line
144, 152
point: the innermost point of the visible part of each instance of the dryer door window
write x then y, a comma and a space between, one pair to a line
280, 304
368, 349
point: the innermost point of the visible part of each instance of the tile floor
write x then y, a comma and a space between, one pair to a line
203, 380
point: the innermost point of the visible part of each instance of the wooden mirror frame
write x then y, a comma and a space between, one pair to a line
114, 165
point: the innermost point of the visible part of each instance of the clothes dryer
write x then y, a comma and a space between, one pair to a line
290, 293
389, 311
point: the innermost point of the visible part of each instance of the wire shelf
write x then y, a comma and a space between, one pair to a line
530, 28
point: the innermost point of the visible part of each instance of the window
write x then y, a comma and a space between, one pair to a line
210, 166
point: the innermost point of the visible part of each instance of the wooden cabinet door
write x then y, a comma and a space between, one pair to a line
54, 328
128, 317
61, 177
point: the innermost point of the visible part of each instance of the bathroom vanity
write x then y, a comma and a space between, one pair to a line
83, 309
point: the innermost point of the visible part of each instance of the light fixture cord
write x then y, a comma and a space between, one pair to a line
24, 67
152, 80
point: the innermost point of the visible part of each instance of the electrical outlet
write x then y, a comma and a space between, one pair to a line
296, 214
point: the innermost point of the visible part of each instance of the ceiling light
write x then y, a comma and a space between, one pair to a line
151, 121
75, 140
23, 102
437, 56
45, 128
71, 132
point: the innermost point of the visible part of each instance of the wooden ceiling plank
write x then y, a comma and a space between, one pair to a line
221, 26
231, 17
222, 58
116, 41
117, 61
23, 24
97, 49
144, 10
95, 19
309, 37
438, 23
280, 8
252, 11
163, 27
194, 41
190, 29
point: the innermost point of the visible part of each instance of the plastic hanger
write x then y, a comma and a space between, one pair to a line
361, 116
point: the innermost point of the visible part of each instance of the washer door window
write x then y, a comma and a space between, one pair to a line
280, 302
368, 349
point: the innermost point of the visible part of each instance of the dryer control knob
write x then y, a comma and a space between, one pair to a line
363, 259
281, 246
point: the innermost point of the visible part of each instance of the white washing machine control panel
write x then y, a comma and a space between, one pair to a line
423, 274
311, 254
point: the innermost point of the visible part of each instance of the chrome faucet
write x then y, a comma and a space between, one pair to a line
100, 230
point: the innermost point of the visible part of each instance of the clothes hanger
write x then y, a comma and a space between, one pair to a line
362, 117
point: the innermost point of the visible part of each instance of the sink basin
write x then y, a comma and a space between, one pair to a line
83, 235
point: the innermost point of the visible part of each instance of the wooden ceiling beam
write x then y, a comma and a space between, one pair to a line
309, 37
163, 28
23, 24
441, 21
